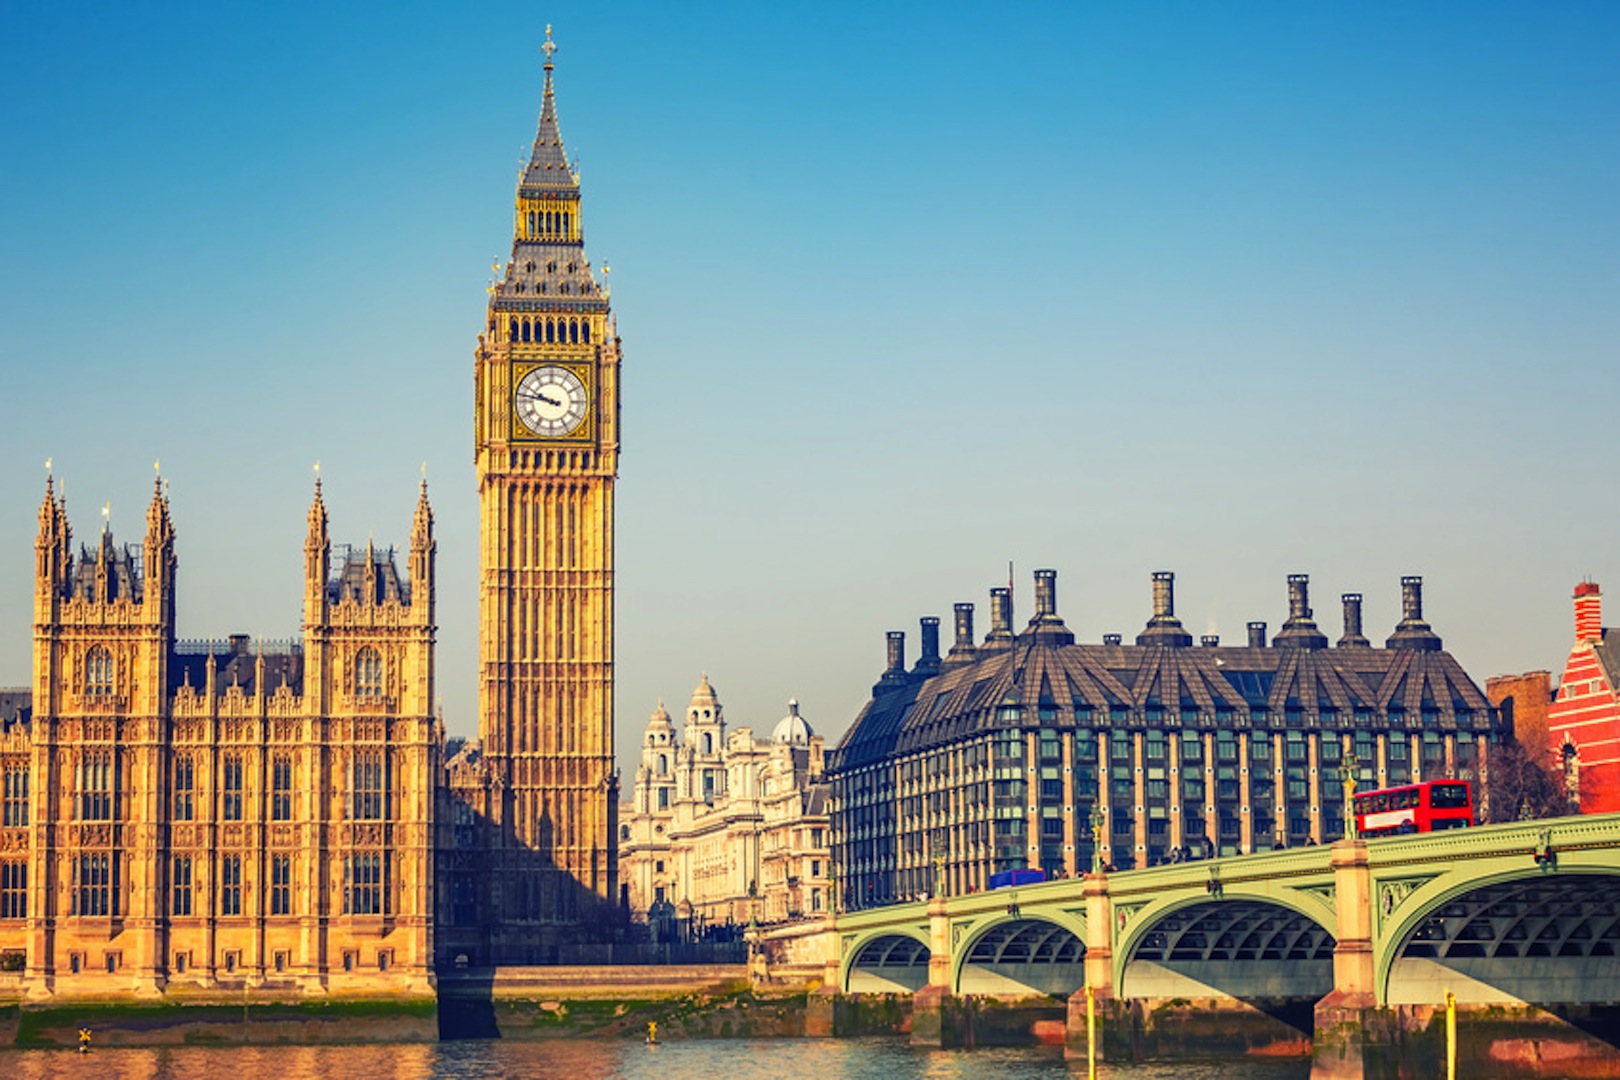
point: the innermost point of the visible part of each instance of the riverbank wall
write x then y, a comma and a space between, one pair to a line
218, 1019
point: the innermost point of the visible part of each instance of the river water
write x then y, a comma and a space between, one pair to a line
698, 1059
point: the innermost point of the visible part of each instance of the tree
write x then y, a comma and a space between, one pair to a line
1521, 785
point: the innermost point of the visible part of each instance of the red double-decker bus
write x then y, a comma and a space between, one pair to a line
1415, 808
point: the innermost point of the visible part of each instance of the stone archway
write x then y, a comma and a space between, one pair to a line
1247, 949
888, 964
1541, 939
1023, 956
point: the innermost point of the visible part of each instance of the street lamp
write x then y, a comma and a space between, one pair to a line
1097, 819
1350, 764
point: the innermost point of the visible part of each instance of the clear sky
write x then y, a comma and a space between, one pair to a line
907, 291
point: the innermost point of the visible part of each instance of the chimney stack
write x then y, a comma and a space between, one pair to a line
1299, 597
962, 652
1045, 593
1588, 612
1257, 635
1164, 628
964, 627
928, 662
1000, 635
1353, 637
1164, 594
1411, 599
1209, 641
1300, 631
1046, 627
1113, 639
1412, 632
897, 653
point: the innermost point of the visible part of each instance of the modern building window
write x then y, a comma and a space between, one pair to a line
13, 890
16, 796
281, 885
368, 673
364, 891
368, 785
98, 672
180, 886
185, 788
230, 885
96, 783
230, 788
93, 886
281, 784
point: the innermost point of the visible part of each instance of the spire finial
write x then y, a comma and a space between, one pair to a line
549, 47
106, 517
317, 478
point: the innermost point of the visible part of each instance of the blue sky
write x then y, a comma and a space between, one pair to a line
907, 291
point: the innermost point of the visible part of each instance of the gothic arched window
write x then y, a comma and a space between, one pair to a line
525, 329
573, 332
513, 335
368, 673
98, 671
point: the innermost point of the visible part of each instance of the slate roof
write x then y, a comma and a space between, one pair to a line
16, 705
1054, 682
236, 663
1608, 654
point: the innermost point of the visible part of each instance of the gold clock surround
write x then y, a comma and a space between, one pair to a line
584, 371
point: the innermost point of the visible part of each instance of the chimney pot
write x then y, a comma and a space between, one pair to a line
1113, 639
1209, 641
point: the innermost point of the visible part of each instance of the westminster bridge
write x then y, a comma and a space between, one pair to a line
1346, 951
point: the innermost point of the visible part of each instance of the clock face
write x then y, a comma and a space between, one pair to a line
550, 401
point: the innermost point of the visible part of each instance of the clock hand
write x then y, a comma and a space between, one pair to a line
542, 397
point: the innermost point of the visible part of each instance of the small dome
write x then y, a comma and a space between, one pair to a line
792, 729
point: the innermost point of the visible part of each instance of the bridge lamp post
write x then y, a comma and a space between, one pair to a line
1350, 765
937, 842
1097, 819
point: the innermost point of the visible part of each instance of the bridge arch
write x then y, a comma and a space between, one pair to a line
1244, 947
1040, 953
891, 961
1525, 935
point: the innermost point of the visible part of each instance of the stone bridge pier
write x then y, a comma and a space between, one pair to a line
1346, 954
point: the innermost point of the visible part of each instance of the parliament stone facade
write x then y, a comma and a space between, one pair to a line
217, 815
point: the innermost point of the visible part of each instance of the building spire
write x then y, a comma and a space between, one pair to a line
548, 168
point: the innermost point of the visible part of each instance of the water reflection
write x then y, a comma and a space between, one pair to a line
705, 1059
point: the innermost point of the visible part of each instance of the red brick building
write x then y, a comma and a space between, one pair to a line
1586, 711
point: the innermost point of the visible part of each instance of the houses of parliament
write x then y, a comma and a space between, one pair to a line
226, 815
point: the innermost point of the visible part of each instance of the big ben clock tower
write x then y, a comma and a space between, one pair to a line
547, 452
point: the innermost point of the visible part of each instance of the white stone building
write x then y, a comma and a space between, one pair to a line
724, 828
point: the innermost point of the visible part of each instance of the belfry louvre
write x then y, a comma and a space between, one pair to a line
996, 755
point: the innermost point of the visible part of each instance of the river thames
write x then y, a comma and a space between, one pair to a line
698, 1059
